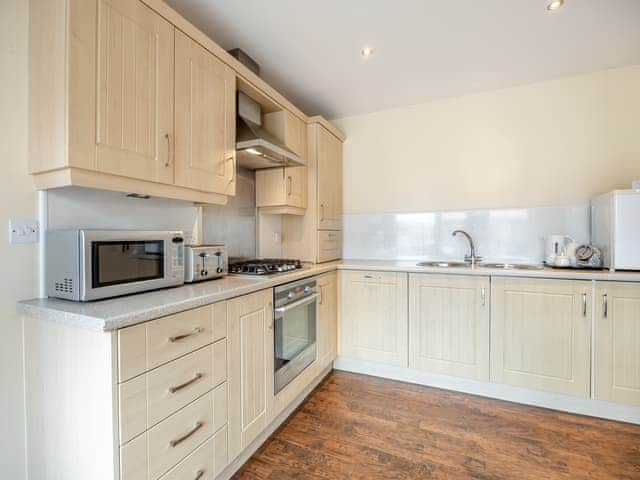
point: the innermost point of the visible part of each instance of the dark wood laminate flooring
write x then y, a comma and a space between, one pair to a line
359, 427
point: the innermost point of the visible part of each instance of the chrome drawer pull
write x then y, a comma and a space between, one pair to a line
584, 304
199, 475
186, 384
177, 338
178, 441
605, 305
483, 296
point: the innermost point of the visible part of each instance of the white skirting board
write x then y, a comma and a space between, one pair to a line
566, 403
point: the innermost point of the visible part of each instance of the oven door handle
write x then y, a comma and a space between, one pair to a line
298, 303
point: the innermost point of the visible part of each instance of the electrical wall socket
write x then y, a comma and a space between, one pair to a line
23, 231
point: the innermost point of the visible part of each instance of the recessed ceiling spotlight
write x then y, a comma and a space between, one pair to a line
366, 52
553, 5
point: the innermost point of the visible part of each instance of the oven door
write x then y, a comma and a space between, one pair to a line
294, 338
122, 262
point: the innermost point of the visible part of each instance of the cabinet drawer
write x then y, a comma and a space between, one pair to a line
146, 346
329, 245
362, 276
177, 436
148, 399
205, 463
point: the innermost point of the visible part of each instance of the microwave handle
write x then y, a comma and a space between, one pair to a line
297, 303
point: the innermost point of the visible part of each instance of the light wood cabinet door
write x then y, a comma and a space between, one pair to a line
541, 334
373, 316
205, 119
327, 319
281, 187
617, 342
449, 325
250, 368
329, 181
135, 92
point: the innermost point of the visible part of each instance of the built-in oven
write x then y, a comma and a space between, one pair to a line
87, 265
295, 307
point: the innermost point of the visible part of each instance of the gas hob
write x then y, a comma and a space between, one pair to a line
263, 266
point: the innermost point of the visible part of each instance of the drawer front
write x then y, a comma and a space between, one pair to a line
133, 459
151, 344
171, 337
199, 465
177, 436
362, 276
329, 245
152, 397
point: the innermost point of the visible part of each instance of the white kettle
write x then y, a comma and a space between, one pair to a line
559, 250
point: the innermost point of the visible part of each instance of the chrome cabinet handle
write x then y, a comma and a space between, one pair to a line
177, 338
178, 441
584, 304
322, 212
233, 172
368, 276
605, 305
321, 300
199, 475
168, 137
483, 296
289, 186
298, 303
177, 388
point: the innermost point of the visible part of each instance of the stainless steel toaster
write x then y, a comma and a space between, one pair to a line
205, 262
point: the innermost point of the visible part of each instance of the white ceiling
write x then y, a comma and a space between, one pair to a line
423, 49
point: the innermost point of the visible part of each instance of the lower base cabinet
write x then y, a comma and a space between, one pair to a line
541, 334
617, 342
327, 320
449, 325
250, 368
373, 316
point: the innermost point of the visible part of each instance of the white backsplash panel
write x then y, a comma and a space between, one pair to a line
507, 235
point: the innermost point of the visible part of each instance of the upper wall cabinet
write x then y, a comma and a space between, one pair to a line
102, 107
329, 151
134, 103
205, 119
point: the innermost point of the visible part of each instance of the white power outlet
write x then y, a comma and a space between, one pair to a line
23, 231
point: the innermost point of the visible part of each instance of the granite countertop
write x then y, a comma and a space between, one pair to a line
559, 273
107, 315
114, 313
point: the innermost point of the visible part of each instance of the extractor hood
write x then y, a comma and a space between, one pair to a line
256, 148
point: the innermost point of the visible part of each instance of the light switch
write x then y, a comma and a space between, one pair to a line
23, 231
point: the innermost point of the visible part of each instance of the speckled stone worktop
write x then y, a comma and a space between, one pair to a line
106, 315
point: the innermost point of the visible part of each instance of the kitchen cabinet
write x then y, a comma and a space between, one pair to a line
205, 119
541, 334
329, 152
327, 319
617, 342
449, 324
291, 130
316, 235
373, 316
250, 371
279, 188
135, 63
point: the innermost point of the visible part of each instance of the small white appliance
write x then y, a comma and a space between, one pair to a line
205, 262
615, 228
555, 250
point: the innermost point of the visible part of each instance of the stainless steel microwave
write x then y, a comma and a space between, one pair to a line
84, 265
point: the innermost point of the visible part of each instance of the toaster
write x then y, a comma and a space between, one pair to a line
205, 262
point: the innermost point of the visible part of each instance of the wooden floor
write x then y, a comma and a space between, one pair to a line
359, 427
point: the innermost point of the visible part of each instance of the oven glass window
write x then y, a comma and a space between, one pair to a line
294, 335
114, 263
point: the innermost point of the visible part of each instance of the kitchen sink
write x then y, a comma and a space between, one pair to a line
444, 264
511, 266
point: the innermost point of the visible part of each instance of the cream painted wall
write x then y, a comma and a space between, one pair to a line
18, 199
551, 143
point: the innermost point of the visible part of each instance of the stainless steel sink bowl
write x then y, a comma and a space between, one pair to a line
511, 266
443, 264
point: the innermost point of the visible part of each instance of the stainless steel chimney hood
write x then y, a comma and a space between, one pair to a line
256, 148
